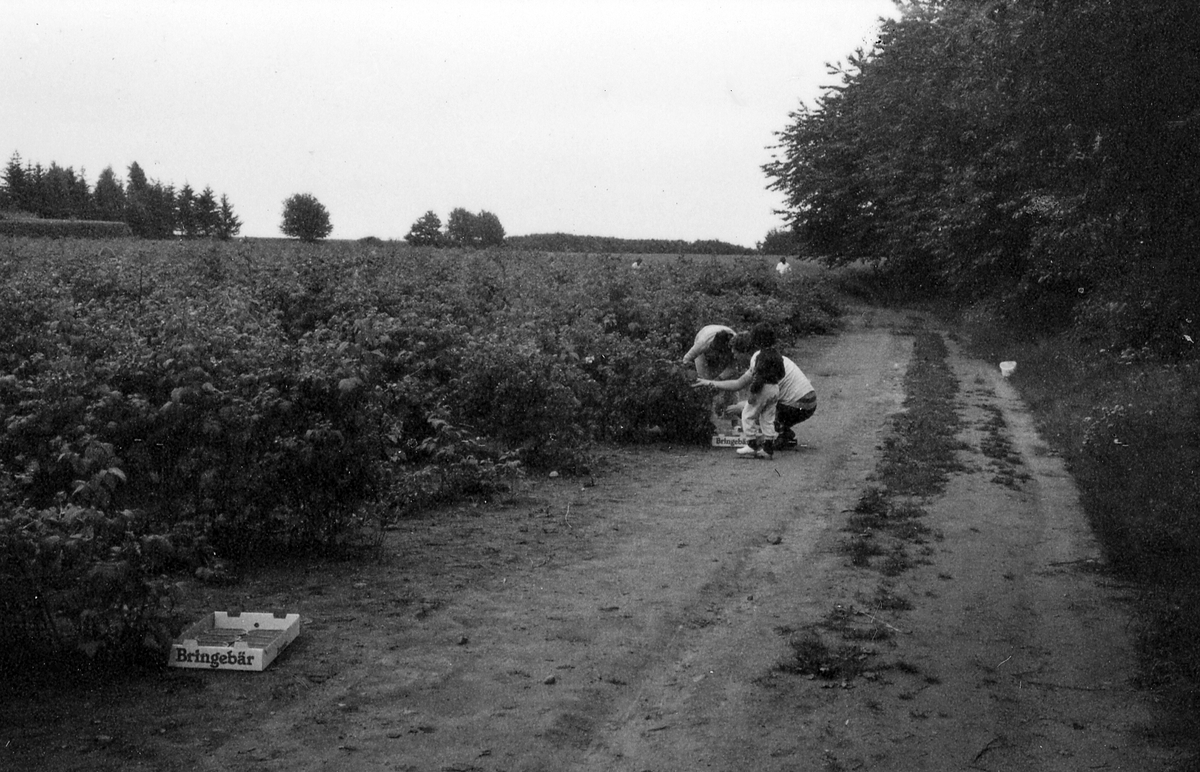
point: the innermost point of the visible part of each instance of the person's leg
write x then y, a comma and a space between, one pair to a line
766, 419
787, 416
751, 427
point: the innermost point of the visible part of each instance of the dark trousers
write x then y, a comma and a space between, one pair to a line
787, 416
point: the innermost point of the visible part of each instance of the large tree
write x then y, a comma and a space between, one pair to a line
305, 218
15, 194
465, 229
207, 216
426, 231
228, 223
185, 212
109, 197
488, 230
1041, 153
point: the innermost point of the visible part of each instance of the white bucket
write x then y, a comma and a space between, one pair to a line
1007, 368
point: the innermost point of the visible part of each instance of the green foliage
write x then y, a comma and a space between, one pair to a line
566, 242
1041, 154
55, 229
79, 585
305, 218
780, 241
465, 229
245, 398
426, 231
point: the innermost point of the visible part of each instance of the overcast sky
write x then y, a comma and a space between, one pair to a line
628, 118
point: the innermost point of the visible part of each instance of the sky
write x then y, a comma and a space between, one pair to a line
627, 118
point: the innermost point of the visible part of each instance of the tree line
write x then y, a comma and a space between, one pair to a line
463, 229
152, 209
1043, 155
565, 242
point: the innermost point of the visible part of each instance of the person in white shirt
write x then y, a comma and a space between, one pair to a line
713, 355
795, 403
782, 268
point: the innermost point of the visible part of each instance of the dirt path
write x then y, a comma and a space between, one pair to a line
638, 624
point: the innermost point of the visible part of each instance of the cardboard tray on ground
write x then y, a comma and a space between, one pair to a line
727, 432
230, 640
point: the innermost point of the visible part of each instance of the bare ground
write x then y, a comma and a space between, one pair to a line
639, 621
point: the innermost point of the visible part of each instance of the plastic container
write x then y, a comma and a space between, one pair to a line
1008, 368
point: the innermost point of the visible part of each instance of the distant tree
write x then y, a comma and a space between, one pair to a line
108, 198
426, 231
137, 179
305, 218
228, 224
460, 228
81, 197
160, 205
207, 217
779, 241
185, 211
150, 207
59, 193
15, 193
465, 229
488, 230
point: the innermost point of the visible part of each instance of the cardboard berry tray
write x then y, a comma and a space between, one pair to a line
231, 640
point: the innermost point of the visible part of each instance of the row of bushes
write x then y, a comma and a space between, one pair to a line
168, 406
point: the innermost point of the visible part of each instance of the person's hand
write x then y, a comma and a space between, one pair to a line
701, 382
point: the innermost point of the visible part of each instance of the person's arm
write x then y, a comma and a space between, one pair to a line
698, 348
732, 385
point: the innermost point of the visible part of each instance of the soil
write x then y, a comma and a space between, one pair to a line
642, 619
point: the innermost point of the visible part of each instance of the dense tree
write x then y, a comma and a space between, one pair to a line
185, 212
488, 230
150, 207
1041, 153
460, 228
108, 198
465, 229
426, 231
207, 217
228, 224
779, 241
15, 193
305, 218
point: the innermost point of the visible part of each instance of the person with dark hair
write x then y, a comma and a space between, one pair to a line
780, 396
714, 357
712, 351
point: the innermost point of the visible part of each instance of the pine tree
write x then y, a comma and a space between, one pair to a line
228, 224
109, 197
15, 194
207, 217
185, 212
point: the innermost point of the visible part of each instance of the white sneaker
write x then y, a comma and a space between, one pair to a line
746, 451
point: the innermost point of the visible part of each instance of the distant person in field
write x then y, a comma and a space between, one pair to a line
636, 264
782, 268
780, 397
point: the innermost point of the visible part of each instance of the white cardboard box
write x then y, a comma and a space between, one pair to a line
226, 640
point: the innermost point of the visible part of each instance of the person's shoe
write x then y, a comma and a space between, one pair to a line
748, 450
765, 450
